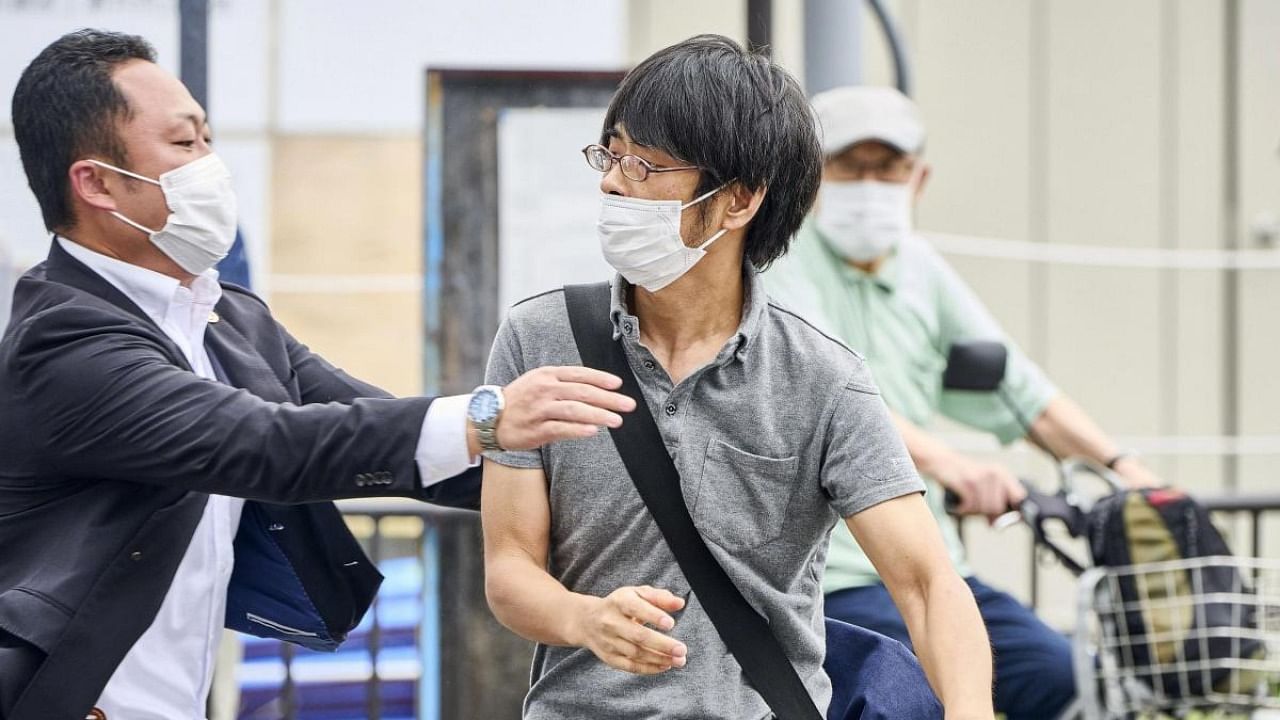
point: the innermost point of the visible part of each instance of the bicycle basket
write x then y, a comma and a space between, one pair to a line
1171, 635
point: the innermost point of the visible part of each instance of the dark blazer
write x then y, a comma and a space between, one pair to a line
109, 447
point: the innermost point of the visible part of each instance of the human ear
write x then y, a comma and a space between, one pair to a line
88, 184
743, 205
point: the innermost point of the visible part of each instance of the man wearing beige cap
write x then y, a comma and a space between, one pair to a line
858, 269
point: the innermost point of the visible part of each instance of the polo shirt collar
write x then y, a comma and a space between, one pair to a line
886, 276
627, 324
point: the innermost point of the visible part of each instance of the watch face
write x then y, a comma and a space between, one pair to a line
483, 407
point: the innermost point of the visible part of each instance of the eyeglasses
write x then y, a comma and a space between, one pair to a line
892, 168
634, 167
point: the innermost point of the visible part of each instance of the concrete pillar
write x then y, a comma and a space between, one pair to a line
832, 44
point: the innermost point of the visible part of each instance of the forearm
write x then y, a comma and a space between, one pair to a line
170, 428
951, 642
1066, 431
531, 603
516, 517
902, 540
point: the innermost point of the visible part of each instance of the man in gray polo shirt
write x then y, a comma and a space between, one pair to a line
710, 160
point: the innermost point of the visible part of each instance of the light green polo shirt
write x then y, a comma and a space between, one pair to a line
904, 319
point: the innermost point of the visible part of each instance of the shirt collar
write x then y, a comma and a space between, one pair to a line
885, 277
151, 291
627, 324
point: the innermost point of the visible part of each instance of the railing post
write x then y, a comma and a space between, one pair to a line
1034, 576
373, 690
289, 693
1256, 534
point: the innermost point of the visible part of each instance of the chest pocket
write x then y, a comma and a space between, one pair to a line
743, 497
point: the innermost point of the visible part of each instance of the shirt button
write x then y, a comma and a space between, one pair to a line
135, 556
671, 408
648, 365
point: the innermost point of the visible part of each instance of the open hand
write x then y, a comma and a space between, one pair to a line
559, 403
626, 629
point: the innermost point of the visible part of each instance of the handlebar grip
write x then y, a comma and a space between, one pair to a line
951, 499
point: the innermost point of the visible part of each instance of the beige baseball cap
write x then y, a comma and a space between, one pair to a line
849, 115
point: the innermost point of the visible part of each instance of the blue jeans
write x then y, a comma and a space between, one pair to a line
1034, 678
874, 677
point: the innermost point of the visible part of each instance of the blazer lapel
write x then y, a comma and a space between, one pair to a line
62, 268
240, 361
243, 366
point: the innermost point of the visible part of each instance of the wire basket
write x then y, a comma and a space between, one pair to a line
1151, 638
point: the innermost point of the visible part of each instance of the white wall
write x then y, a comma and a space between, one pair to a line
24, 31
358, 67
306, 67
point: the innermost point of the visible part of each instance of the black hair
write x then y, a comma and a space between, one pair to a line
736, 115
67, 106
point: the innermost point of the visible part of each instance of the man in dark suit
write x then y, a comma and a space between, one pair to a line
167, 450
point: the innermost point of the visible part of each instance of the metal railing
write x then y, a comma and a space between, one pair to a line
394, 530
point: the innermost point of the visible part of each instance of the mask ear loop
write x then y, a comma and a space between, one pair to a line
699, 199
118, 216
704, 196
135, 176
712, 239
139, 226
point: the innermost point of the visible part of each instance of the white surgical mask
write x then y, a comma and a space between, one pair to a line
202, 213
864, 220
641, 239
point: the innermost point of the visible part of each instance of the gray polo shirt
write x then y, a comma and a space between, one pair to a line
779, 436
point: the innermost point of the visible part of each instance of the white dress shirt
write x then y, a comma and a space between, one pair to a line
168, 672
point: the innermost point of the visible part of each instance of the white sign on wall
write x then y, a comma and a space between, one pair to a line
548, 201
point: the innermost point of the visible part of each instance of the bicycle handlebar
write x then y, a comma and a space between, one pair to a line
1036, 507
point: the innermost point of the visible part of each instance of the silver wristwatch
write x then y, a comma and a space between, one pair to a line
484, 411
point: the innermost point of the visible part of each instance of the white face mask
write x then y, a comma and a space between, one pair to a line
202, 213
641, 239
864, 220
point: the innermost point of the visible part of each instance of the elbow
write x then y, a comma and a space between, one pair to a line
499, 593
917, 590
493, 591
945, 587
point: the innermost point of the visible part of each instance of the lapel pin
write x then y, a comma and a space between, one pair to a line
213, 317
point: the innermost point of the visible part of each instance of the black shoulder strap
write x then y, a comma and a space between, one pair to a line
640, 444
